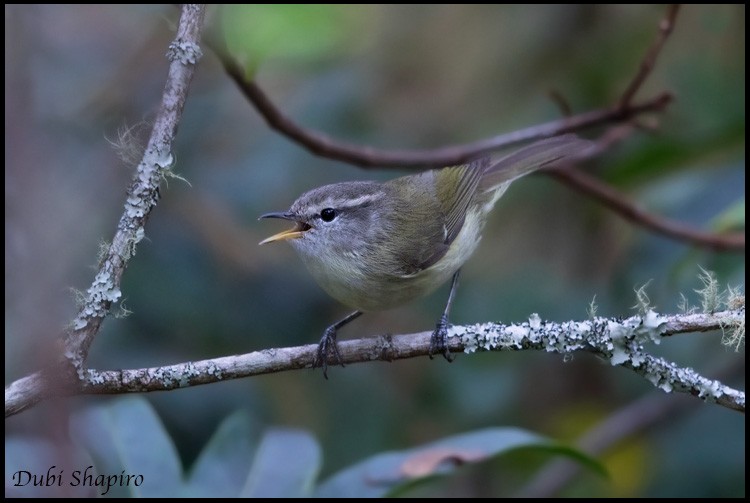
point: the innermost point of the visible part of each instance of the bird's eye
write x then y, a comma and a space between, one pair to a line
328, 214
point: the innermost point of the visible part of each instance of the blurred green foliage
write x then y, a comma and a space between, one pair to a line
294, 34
392, 77
133, 455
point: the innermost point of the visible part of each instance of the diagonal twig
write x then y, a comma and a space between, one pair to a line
618, 203
649, 60
142, 196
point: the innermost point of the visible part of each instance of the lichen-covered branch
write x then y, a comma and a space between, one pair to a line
619, 341
142, 196
143, 193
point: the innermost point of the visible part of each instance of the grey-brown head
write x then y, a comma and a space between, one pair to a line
339, 218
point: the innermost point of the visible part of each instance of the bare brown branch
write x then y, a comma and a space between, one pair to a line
623, 206
561, 101
620, 204
369, 157
649, 60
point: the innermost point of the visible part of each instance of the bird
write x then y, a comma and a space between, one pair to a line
374, 246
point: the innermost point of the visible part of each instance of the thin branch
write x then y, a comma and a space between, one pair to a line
369, 157
562, 103
649, 60
619, 341
143, 193
621, 205
627, 209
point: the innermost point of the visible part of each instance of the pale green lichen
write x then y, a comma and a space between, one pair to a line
658, 381
165, 160
621, 341
135, 206
164, 376
103, 289
591, 311
535, 322
710, 295
651, 327
100, 295
185, 52
132, 242
620, 335
78, 297
733, 334
140, 233
643, 303
186, 374
102, 252
628, 336
684, 305
216, 370
168, 172
122, 312
75, 357
129, 144
735, 297
93, 377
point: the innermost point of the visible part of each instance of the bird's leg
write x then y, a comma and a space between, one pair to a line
328, 345
439, 340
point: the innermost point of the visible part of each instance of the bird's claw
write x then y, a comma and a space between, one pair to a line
439, 339
328, 349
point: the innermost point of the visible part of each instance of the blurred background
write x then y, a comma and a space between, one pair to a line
390, 77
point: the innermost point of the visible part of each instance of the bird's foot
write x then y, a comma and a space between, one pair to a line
439, 339
328, 350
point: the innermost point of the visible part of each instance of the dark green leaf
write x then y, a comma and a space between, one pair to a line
388, 473
224, 463
127, 435
286, 465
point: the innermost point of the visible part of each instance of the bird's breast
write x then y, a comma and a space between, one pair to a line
366, 283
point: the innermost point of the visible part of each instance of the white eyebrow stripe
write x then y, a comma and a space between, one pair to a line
351, 203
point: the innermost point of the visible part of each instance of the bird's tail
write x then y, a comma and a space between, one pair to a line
541, 154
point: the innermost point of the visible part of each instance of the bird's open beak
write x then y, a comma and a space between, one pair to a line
295, 232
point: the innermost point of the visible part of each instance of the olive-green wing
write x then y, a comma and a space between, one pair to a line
454, 190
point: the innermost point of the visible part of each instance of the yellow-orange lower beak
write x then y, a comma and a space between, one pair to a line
297, 231
294, 233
